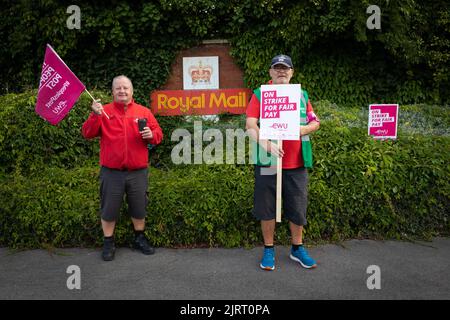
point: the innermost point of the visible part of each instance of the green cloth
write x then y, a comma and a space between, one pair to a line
263, 158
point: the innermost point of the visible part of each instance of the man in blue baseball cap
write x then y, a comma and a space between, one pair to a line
297, 158
283, 60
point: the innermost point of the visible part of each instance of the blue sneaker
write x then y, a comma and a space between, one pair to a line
302, 257
268, 260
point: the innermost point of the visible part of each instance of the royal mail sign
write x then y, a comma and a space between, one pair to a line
199, 102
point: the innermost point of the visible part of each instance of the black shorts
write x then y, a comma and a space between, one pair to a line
114, 184
294, 194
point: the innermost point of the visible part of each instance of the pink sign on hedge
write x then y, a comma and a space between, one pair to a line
59, 88
383, 119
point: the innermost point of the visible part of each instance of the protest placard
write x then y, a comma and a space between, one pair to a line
279, 120
383, 119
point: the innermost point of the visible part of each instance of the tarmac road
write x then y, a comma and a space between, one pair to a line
407, 270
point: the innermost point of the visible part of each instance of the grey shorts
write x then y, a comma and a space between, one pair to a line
294, 194
114, 184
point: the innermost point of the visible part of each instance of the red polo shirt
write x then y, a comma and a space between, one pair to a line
292, 149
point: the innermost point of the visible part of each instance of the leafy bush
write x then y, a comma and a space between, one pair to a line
29, 143
363, 187
196, 205
359, 187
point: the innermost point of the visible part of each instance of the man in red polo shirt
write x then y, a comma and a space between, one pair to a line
295, 175
124, 161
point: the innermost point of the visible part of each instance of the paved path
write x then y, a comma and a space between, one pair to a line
408, 270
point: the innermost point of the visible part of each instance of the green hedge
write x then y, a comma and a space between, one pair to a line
29, 143
389, 189
358, 187
189, 206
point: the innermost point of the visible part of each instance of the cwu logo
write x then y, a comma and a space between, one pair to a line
279, 126
381, 132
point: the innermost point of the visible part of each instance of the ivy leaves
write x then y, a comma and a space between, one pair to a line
406, 61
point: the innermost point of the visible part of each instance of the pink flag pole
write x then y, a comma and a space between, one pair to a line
95, 101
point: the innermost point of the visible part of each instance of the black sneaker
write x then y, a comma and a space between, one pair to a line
141, 243
109, 249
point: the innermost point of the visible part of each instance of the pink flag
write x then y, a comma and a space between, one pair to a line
59, 88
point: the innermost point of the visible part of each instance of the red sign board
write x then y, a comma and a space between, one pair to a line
383, 121
199, 102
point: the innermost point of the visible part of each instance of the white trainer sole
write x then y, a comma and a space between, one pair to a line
303, 265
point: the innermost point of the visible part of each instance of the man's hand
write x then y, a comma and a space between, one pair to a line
146, 133
97, 107
272, 148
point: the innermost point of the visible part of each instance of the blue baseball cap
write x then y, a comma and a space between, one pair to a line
282, 59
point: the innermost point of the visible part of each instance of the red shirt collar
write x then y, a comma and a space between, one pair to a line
121, 105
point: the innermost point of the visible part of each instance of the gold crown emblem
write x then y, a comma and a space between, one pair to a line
200, 74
